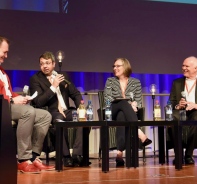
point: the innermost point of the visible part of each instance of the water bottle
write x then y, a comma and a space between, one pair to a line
89, 111
82, 111
168, 111
157, 111
108, 111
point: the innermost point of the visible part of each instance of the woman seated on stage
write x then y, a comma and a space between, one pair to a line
124, 86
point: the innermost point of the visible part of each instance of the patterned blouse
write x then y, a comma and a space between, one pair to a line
112, 90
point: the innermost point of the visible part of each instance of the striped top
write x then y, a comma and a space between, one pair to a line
112, 90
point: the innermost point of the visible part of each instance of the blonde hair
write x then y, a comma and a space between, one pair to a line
126, 65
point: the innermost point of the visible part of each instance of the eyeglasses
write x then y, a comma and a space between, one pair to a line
117, 66
47, 63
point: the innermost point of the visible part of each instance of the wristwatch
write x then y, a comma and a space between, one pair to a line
11, 101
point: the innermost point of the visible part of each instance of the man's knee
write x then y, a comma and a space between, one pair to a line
48, 116
30, 111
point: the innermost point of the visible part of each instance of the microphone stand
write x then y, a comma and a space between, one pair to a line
153, 98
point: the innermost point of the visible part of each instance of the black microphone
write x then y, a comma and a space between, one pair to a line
25, 90
55, 73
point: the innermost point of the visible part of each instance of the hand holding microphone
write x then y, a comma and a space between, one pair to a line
22, 99
25, 94
183, 101
133, 102
56, 79
25, 90
184, 104
60, 78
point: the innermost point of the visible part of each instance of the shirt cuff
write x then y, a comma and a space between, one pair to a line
53, 89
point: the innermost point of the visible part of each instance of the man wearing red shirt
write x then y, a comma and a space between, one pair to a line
32, 125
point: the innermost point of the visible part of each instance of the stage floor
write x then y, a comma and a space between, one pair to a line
149, 173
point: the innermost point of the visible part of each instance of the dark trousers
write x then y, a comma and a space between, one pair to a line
122, 111
192, 134
78, 142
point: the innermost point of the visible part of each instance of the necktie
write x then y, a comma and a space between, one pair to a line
50, 78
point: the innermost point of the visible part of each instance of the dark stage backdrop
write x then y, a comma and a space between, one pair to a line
154, 36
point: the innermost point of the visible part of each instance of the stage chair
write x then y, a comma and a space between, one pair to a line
112, 130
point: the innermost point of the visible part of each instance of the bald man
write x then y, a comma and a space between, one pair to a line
187, 83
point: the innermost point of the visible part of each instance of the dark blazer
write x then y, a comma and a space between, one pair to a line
178, 86
46, 97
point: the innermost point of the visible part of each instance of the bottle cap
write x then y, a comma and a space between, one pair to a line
108, 102
168, 102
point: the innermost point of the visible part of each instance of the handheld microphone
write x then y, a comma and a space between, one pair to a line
55, 73
131, 96
25, 90
183, 95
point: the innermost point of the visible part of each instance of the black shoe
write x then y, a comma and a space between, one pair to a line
119, 162
68, 162
189, 160
77, 160
173, 161
146, 142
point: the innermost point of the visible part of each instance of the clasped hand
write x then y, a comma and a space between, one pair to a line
189, 105
134, 106
21, 99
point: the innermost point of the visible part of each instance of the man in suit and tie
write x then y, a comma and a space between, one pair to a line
186, 84
33, 124
54, 91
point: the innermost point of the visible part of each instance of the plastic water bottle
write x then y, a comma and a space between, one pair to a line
89, 111
157, 111
182, 114
168, 111
108, 111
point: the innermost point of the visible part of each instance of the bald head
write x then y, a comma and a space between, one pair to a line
3, 39
4, 47
189, 67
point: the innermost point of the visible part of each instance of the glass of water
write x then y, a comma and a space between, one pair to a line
74, 115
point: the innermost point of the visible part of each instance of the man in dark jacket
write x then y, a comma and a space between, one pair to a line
187, 85
54, 91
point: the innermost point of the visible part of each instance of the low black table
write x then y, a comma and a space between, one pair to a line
160, 125
104, 125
